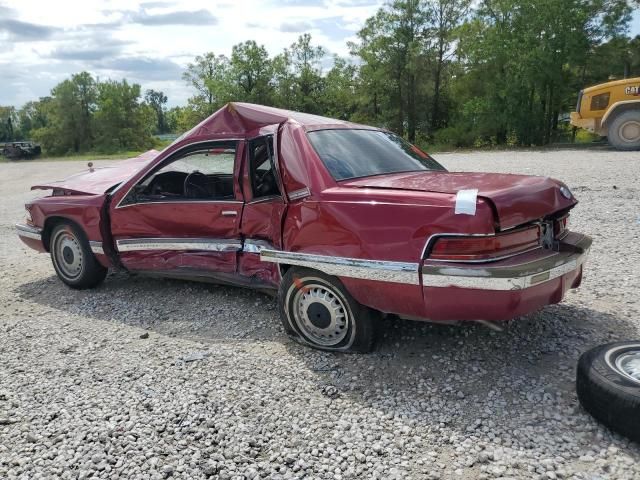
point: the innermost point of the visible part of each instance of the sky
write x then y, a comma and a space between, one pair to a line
42, 42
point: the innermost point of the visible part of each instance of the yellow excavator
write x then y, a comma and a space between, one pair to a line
611, 110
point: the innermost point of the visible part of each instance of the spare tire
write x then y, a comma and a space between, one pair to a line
608, 386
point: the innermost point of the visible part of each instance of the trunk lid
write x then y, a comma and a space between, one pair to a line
517, 199
97, 180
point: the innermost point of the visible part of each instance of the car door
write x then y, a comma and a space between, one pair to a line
184, 214
263, 211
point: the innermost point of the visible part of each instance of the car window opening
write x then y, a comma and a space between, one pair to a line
203, 174
350, 153
262, 168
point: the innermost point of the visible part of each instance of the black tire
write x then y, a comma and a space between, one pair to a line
624, 130
607, 391
72, 258
351, 326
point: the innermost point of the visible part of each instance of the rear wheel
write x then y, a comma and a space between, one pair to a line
317, 310
624, 131
72, 258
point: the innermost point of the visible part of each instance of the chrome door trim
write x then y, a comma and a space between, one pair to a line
300, 193
265, 199
178, 201
256, 246
380, 270
202, 244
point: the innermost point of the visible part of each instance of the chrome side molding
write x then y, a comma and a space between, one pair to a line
256, 246
206, 244
380, 270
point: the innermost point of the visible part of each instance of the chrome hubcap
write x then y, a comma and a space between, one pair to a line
320, 314
630, 131
68, 254
629, 364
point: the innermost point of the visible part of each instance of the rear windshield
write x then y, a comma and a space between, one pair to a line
362, 153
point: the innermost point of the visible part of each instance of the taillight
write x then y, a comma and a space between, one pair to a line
469, 248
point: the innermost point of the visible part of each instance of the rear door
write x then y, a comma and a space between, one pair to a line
184, 214
263, 211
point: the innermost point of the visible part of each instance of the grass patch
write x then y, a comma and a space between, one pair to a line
83, 157
90, 156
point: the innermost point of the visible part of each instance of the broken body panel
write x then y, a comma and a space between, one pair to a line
374, 233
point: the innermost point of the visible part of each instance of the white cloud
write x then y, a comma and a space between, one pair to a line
150, 42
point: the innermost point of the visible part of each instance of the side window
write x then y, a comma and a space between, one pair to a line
200, 173
262, 169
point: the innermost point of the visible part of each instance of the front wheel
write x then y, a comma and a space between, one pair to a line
624, 131
317, 311
72, 258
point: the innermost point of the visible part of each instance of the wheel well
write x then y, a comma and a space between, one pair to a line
284, 268
49, 224
619, 110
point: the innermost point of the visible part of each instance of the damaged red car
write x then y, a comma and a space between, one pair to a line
345, 222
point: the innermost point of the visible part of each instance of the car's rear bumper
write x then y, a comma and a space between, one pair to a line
506, 289
31, 236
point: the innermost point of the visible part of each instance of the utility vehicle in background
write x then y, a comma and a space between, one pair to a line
611, 110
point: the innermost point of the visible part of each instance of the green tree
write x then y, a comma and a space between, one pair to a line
392, 49
339, 94
252, 72
521, 57
70, 116
307, 82
445, 18
122, 121
8, 122
157, 101
32, 116
211, 76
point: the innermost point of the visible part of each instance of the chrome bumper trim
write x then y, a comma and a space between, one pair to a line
27, 231
203, 244
380, 270
504, 278
96, 247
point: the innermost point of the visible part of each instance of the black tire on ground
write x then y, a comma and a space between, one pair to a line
624, 130
608, 386
316, 310
72, 258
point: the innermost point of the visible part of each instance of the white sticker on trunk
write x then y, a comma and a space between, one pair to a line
466, 202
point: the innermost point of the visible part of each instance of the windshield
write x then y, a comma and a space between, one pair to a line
349, 153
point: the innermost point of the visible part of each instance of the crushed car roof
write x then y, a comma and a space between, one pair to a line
245, 119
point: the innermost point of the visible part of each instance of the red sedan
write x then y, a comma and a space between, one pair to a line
346, 222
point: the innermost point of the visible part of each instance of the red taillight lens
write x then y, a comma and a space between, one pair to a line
485, 248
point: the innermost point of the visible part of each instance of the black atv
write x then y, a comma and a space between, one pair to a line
18, 150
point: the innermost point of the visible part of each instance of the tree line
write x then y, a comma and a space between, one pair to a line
452, 72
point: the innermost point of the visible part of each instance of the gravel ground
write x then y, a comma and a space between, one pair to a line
147, 378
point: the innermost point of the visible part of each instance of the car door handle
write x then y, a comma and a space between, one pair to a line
229, 213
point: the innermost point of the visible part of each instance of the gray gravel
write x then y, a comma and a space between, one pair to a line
145, 378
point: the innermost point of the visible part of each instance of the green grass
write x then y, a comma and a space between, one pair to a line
83, 157
89, 156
